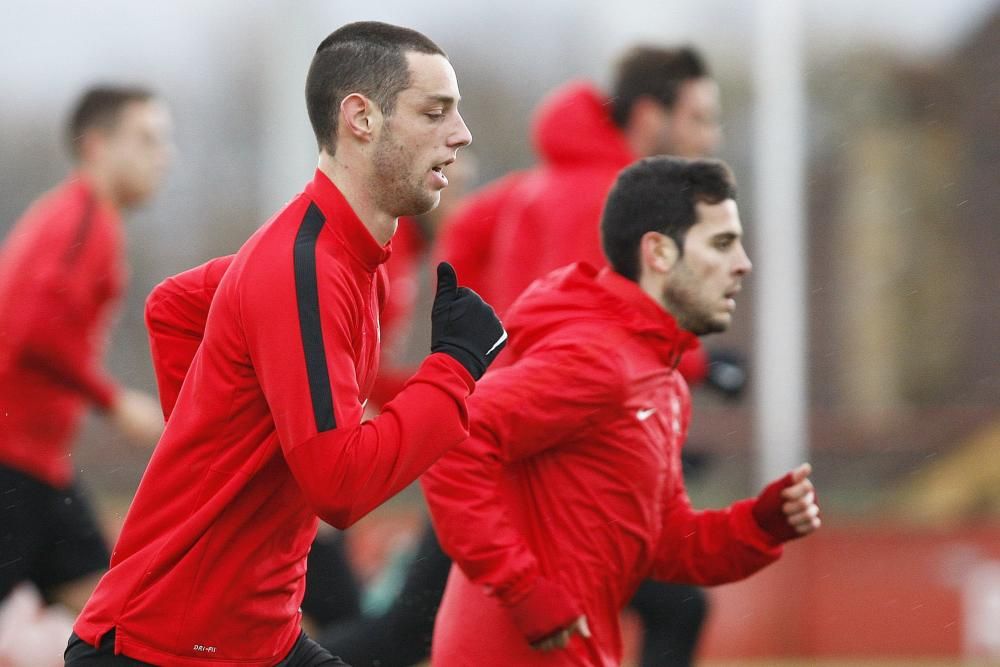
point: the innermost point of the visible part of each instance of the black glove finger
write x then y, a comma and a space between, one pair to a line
447, 280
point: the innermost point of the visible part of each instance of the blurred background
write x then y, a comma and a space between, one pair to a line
900, 143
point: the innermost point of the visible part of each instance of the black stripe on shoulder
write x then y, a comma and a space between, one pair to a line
307, 293
82, 232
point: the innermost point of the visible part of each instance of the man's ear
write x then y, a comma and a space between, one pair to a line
658, 252
359, 116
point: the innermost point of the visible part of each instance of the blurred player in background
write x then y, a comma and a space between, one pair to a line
62, 273
569, 491
266, 434
663, 101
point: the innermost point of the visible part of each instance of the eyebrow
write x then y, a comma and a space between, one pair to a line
447, 100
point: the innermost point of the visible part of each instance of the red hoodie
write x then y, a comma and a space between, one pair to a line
62, 269
571, 479
266, 435
525, 225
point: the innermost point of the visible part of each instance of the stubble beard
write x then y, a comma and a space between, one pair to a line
394, 191
681, 300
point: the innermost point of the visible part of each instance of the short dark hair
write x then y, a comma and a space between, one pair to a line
658, 194
101, 107
650, 71
366, 57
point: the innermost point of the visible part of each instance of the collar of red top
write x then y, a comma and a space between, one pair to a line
346, 223
654, 318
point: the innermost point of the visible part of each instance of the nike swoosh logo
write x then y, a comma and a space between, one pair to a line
499, 342
643, 415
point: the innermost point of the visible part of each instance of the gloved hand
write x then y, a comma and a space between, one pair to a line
787, 508
463, 325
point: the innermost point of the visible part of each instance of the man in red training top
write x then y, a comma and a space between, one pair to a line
266, 433
569, 491
62, 271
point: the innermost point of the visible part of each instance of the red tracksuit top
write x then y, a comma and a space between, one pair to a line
177, 308
531, 222
266, 435
62, 269
572, 473
176, 312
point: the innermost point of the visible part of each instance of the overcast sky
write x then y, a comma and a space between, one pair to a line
51, 42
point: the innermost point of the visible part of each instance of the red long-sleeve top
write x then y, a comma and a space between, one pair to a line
572, 477
62, 269
177, 308
176, 313
266, 435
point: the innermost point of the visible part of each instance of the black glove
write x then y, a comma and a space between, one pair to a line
726, 373
463, 325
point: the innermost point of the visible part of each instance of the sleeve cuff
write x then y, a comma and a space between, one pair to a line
750, 531
442, 359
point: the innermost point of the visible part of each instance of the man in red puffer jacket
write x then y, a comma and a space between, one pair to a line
517, 229
569, 492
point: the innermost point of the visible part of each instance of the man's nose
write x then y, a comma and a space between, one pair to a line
461, 136
744, 265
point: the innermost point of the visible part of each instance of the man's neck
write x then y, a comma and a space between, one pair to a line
101, 185
356, 188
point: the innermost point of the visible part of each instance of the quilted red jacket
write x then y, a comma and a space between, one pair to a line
571, 478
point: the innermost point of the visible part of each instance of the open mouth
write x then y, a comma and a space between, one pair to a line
438, 171
438, 175
439, 168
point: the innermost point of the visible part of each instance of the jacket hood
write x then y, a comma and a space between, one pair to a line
581, 293
572, 125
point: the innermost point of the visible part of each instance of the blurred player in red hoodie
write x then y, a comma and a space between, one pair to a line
663, 101
62, 273
569, 491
